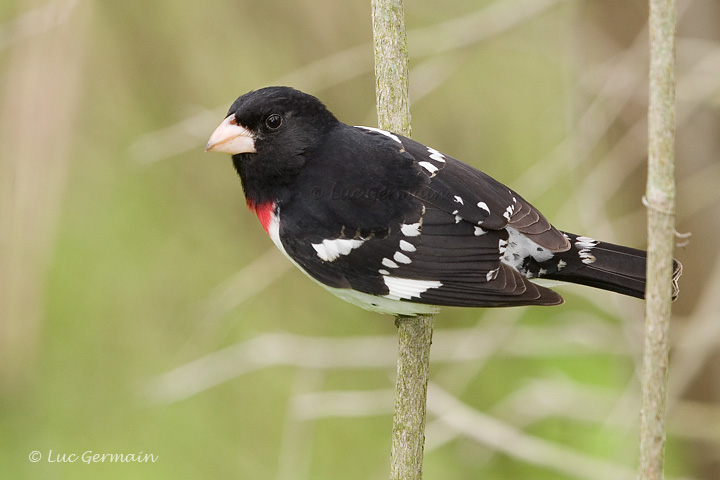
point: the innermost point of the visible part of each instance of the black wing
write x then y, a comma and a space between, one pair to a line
428, 229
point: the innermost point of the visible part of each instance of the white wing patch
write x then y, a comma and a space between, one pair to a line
519, 247
502, 246
385, 304
431, 169
382, 132
405, 288
435, 155
400, 257
509, 211
389, 263
330, 250
492, 274
407, 246
410, 229
483, 206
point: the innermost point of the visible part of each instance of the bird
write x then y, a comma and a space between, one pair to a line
394, 226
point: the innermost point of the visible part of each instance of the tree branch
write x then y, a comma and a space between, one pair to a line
408, 439
391, 66
660, 200
414, 333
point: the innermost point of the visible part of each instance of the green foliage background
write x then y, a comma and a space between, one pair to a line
119, 234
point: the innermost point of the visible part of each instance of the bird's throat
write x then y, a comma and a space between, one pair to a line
265, 213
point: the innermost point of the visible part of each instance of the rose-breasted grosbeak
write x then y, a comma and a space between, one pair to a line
393, 226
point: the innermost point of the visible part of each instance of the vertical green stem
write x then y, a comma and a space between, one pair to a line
408, 434
660, 199
391, 66
414, 333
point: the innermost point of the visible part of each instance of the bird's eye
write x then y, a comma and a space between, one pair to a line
273, 121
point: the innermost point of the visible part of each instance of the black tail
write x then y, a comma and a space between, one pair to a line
601, 265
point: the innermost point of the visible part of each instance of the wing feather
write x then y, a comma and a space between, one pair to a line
444, 231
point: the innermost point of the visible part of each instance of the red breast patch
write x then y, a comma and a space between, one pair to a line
265, 213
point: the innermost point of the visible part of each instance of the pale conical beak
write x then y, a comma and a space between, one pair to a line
229, 137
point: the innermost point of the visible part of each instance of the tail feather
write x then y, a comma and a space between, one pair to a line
601, 265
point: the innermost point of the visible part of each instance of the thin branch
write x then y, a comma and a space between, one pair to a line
391, 66
413, 366
414, 333
660, 200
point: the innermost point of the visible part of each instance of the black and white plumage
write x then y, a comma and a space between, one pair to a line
394, 226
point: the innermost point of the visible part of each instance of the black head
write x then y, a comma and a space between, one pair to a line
278, 121
269, 133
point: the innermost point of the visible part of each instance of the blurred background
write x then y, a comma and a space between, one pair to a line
144, 311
